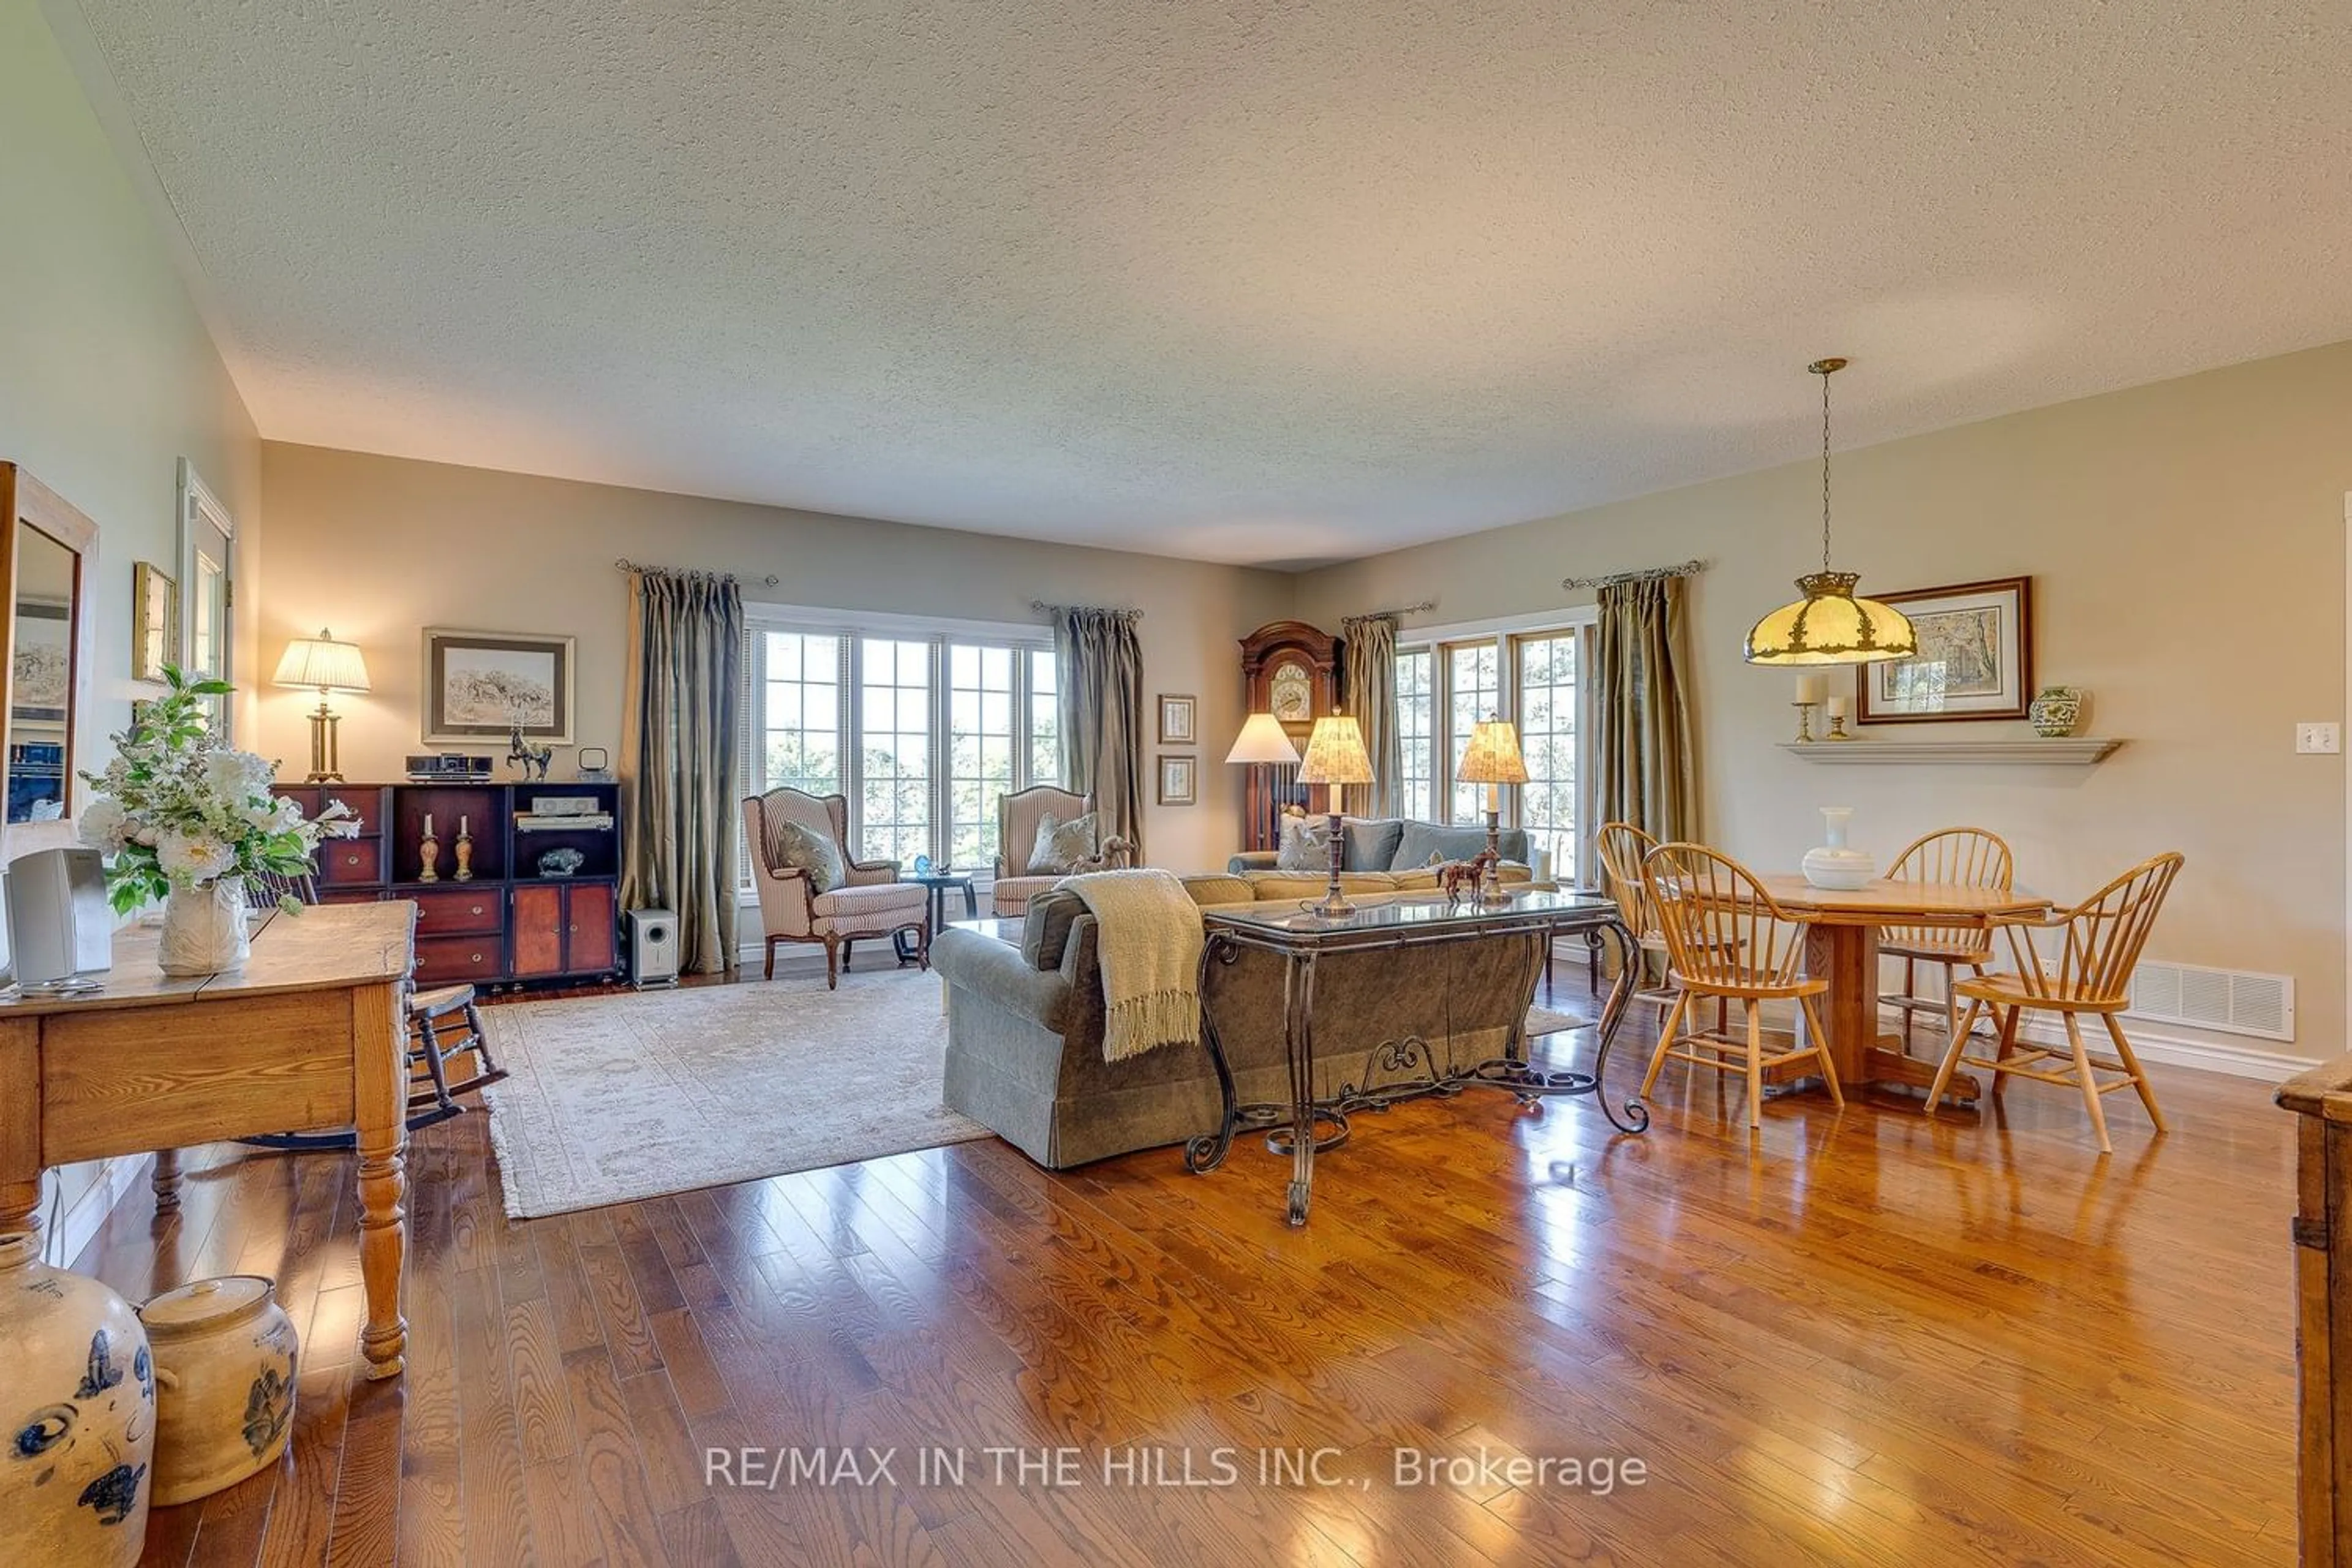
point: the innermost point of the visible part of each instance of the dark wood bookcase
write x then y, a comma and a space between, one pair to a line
512, 922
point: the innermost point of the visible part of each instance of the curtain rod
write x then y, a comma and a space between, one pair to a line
625, 564
1679, 569
1402, 610
1041, 607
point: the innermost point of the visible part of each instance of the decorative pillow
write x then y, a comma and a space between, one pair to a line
1372, 842
1062, 848
1423, 840
1306, 845
1045, 931
791, 845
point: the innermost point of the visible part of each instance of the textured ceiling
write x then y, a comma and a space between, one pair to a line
1267, 280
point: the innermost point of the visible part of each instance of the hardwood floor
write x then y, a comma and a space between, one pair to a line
1863, 1338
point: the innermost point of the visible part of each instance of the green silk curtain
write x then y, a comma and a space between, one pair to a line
1647, 772
680, 767
1103, 732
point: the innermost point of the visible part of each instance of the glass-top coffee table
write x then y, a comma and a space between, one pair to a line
1300, 938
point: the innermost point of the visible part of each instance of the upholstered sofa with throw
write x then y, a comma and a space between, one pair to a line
1026, 1025
1018, 817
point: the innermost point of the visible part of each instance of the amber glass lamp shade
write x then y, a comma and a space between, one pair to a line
1831, 626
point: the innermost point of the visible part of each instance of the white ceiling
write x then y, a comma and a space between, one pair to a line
1252, 281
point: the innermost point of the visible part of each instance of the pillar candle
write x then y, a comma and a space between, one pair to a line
461, 828
428, 824
1809, 688
1837, 706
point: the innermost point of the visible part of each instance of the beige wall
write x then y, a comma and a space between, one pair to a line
2187, 544
379, 548
107, 375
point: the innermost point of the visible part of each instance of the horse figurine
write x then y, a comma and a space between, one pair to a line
522, 755
1462, 879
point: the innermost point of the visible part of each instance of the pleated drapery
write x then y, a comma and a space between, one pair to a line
1647, 772
1101, 674
679, 758
1367, 664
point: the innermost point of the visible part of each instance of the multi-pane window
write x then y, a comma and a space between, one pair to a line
799, 715
1414, 717
1474, 688
1532, 678
1547, 709
923, 735
980, 747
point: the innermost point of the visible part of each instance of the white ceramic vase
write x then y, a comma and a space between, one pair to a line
1833, 864
76, 1417
225, 1365
204, 929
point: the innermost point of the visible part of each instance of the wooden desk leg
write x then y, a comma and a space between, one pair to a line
380, 1094
1847, 957
166, 1182
20, 1126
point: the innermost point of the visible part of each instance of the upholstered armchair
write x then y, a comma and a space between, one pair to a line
870, 901
1017, 815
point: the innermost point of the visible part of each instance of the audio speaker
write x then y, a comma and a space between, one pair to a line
653, 948
60, 928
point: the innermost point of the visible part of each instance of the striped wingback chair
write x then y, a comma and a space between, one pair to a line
871, 900
1017, 816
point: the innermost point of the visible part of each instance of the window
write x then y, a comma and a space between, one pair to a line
1533, 677
1473, 691
922, 732
1414, 717
1546, 707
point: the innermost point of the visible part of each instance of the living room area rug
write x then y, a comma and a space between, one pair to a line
613, 1099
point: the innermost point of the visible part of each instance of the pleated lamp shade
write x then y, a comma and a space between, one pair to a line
1493, 755
1336, 754
322, 664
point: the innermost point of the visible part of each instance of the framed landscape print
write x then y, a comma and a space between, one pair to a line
43, 667
1175, 720
479, 685
1177, 781
1975, 657
154, 621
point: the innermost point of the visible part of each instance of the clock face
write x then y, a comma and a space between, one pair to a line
1291, 693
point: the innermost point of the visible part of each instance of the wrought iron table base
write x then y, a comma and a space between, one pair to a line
1294, 1129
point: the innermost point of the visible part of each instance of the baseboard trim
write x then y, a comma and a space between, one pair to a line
2171, 1050
80, 1224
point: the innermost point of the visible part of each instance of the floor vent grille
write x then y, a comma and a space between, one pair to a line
2233, 1001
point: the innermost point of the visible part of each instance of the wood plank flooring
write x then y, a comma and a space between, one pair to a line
1862, 1338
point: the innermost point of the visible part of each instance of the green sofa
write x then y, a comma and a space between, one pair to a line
1025, 1024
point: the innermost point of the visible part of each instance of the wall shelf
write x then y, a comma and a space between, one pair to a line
2074, 751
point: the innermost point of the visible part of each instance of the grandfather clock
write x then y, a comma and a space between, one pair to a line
1291, 671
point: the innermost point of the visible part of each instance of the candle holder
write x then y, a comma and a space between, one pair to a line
465, 853
1837, 728
1805, 736
428, 850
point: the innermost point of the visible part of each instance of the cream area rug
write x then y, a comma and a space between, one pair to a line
613, 1099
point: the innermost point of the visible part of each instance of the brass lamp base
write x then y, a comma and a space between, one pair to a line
1335, 905
326, 752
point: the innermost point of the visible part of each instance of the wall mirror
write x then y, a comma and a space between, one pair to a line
45, 551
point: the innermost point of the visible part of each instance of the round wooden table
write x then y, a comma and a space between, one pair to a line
1841, 947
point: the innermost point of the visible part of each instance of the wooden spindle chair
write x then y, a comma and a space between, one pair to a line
1727, 938
1622, 847
2092, 972
430, 1014
1950, 856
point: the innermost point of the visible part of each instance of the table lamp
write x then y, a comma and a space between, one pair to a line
322, 664
1335, 756
1493, 759
1265, 744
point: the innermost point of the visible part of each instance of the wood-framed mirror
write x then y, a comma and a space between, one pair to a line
45, 551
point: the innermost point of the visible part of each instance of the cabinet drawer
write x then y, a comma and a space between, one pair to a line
442, 959
350, 862
365, 804
439, 914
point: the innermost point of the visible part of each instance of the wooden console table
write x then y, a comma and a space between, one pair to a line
310, 1035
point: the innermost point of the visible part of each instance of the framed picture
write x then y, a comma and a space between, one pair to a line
1178, 784
154, 621
1975, 657
1176, 721
42, 671
479, 685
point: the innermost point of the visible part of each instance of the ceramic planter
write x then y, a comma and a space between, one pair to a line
204, 929
76, 1417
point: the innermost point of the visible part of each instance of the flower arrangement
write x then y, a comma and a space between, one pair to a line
180, 810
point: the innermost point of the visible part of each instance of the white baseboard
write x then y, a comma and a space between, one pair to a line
82, 1220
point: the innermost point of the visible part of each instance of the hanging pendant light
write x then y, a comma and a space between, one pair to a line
1830, 624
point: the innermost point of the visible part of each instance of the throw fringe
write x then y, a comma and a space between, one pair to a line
1156, 1018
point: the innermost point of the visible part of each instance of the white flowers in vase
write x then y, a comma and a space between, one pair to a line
178, 810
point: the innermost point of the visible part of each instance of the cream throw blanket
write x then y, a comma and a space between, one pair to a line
1149, 943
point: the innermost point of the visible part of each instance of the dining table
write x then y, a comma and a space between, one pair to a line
1841, 947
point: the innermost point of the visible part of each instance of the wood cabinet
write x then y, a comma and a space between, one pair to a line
2322, 1231
518, 918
